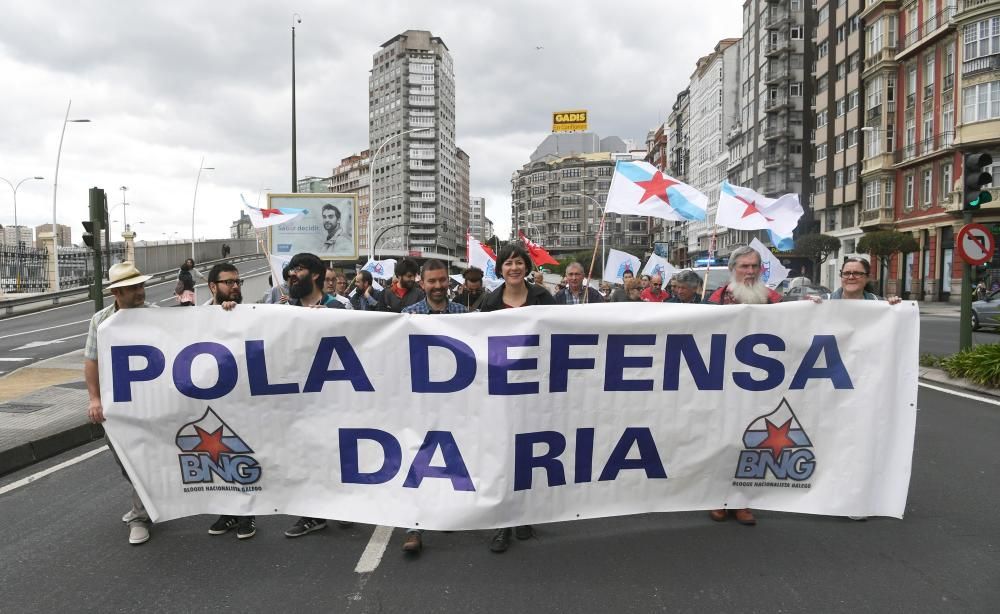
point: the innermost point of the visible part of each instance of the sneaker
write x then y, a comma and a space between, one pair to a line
305, 526
138, 533
345, 524
413, 544
859, 518
247, 527
129, 516
223, 525
524, 531
501, 541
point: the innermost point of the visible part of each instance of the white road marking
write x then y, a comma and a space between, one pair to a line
18, 359
964, 395
41, 474
38, 344
372, 555
41, 330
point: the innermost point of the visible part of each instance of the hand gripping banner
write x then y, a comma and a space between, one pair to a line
522, 416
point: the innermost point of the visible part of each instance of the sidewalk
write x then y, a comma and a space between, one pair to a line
43, 409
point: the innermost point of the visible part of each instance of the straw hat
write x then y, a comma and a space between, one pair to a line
125, 274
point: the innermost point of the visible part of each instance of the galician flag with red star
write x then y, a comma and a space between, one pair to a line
744, 209
639, 188
262, 218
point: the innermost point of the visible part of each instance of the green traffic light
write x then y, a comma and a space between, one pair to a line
984, 197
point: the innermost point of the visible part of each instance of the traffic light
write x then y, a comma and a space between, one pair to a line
974, 179
88, 233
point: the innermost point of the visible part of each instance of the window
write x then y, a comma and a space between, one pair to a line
820, 185
852, 100
911, 133
839, 143
852, 174
822, 118
841, 107
795, 148
911, 86
928, 131
929, 75
796, 33
795, 90
872, 195
838, 178
908, 192
948, 117
822, 49
946, 180
852, 62
875, 38
981, 102
571, 228
852, 137
821, 152
874, 88
572, 172
570, 214
824, 14
926, 184
840, 34
982, 39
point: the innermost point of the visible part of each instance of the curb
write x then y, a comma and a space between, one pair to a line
939, 376
32, 452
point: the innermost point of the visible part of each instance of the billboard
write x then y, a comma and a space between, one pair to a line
569, 121
328, 228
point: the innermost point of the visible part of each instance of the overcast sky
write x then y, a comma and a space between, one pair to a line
165, 83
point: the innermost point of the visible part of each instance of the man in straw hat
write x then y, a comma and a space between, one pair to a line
127, 286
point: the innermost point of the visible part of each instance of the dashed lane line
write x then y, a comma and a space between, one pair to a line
964, 395
41, 474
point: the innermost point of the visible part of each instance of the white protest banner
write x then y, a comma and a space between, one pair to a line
278, 262
381, 269
772, 272
520, 416
658, 265
617, 263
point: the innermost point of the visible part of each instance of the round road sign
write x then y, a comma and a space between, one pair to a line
975, 244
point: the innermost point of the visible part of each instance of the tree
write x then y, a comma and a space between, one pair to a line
817, 247
883, 244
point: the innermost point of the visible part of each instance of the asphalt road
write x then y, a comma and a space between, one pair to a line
33, 337
939, 335
64, 548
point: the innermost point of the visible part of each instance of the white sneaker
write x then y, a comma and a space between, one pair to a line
129, 516
858, 517
138, 533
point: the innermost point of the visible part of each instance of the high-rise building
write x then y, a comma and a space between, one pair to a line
64, 235
315, 185
678, 130
837, 188
559, 195
242, 228
12, 235
713, 99
411, 99
464, 197
488, 230
477, 217
351, 177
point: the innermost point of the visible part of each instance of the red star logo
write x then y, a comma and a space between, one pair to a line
269, 212
211, 443
777, 438
751, 208
656, 186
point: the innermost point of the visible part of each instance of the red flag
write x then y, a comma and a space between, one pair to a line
537, 252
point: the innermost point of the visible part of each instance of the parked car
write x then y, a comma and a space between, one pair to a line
986, 311
800, 292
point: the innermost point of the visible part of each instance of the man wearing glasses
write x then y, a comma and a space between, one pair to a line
335, 284
226, 287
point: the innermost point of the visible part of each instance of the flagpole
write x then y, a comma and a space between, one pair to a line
267, 255
708, 262
593, 258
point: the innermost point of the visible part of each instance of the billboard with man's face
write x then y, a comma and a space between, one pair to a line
328, 228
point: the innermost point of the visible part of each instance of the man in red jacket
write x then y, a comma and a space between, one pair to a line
655, 292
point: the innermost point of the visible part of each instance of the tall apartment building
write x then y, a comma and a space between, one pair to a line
351, 177
679, 158
712, 91
488, 230
839, 110
64, 235
12, 235
770, 144
477, 217
464, 172
314, 185
558, 196
411, 98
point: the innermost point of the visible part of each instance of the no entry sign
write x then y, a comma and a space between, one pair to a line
975, 244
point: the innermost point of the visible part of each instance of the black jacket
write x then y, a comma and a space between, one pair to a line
391, 302
537, 295
466, 300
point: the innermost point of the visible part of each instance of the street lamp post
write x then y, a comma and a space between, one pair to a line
55, 187
124, 216
194, 202
17, 229
371, 185
295, 177
604, 244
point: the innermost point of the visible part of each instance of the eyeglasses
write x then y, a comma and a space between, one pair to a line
850, 274
230, 282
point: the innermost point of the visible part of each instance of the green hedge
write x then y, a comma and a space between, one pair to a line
979, 364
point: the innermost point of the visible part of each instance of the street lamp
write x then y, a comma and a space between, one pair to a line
124, 216
194, 202
371, 211
17, 229
604, 244
259, 192
371, 185
55, 187
295, 177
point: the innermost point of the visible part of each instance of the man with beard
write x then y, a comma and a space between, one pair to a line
405, 292
365, 297
744, 288
127, 286
226, 287
334, 230
472, 293
434, 280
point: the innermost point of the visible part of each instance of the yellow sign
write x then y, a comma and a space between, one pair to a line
569, 121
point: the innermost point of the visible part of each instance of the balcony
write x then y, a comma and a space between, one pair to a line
926, 29
872, 219
422, 241
423, 231
424, 134
425, 197
416, 165
979, 65
938, 142
776, 74
887, 55
778, 131
422, 218
774, 160
777, 18
873, 114
777, 48
775, 104
883, 161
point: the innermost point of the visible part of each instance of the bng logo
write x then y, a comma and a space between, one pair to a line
778, 444
210, 448
625, 266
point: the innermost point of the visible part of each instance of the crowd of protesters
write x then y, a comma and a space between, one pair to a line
428, 289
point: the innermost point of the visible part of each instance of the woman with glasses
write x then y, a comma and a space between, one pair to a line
854, 277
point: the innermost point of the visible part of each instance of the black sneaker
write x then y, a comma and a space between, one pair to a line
247, 527
501, 540
305, 526
223, 525
524, 531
